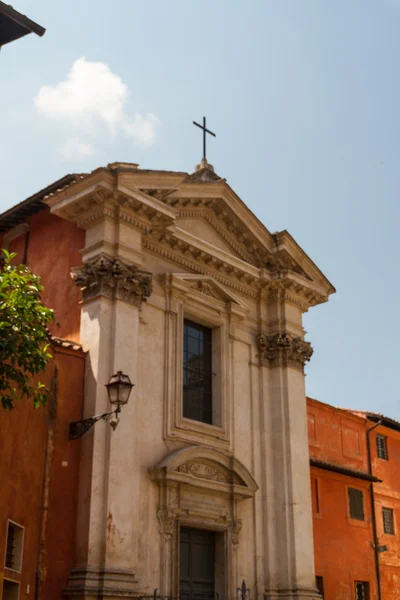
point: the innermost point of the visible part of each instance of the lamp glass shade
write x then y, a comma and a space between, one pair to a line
119, 388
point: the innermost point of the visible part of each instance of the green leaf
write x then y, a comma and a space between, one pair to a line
23, 334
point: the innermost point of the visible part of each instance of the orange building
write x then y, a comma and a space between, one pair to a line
385, 464
355, 468
50, 247
39, 465
39, 469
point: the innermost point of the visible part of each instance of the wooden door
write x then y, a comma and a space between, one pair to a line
197, 557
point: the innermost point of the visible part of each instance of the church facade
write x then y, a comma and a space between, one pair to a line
206, 480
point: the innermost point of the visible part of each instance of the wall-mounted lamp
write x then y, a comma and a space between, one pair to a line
118, 389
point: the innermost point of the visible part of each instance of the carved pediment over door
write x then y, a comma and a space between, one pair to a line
201, 486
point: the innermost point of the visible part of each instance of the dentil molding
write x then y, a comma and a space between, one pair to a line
110, 277
283, 350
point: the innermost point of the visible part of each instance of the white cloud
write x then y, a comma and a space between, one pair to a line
92, 98
142, 128
75, 148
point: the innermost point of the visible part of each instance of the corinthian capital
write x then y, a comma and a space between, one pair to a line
104, 276
283, 350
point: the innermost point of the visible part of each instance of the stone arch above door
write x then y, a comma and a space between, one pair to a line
199, 487
202, 467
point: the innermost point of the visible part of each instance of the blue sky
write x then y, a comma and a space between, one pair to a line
304, 97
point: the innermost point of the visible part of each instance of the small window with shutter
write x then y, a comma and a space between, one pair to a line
362, 590
356, 504
388, 521
14, 546
381, 447
315, 495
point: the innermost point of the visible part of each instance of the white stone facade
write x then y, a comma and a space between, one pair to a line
162, 247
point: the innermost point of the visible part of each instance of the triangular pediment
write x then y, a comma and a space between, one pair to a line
198, 216
206, 229
208, 286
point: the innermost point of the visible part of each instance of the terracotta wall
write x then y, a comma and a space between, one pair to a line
52, 248
24, 452
387, 495
342, 545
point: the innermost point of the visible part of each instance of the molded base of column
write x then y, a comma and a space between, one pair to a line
292, 594
89, 583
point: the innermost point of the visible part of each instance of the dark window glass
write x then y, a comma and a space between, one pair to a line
362, 590
10, 547
197, 372
314, 495
356, 504
319, 581
388, 520
381, 447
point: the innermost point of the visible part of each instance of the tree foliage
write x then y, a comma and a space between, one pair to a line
24, 338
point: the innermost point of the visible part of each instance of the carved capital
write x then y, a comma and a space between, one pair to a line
110, 277
236, 529
283, 350
167, 520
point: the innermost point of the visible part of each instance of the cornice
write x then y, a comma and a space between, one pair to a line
194, 266
110, 277
236, 230
218, 257
285, 241
222, 191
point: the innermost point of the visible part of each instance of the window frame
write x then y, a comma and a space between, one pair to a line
317, 480
205, 373
350, 516
379, 436
17, 568
366, 590
389, 510
186, 298
8, 581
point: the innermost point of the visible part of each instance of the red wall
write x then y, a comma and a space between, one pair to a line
22, 475
387, 495
342, 545
52, 247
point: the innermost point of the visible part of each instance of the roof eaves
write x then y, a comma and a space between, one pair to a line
16, 214
321, 464
386, 421
8, 11
67, 344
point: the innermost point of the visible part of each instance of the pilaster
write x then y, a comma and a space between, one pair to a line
282, 355
112, 293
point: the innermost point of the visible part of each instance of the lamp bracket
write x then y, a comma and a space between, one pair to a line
78, 428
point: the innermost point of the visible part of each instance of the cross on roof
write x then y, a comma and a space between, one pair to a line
205, 131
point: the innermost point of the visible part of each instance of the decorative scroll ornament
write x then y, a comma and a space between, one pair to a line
110, 277
203, 471
283, 350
